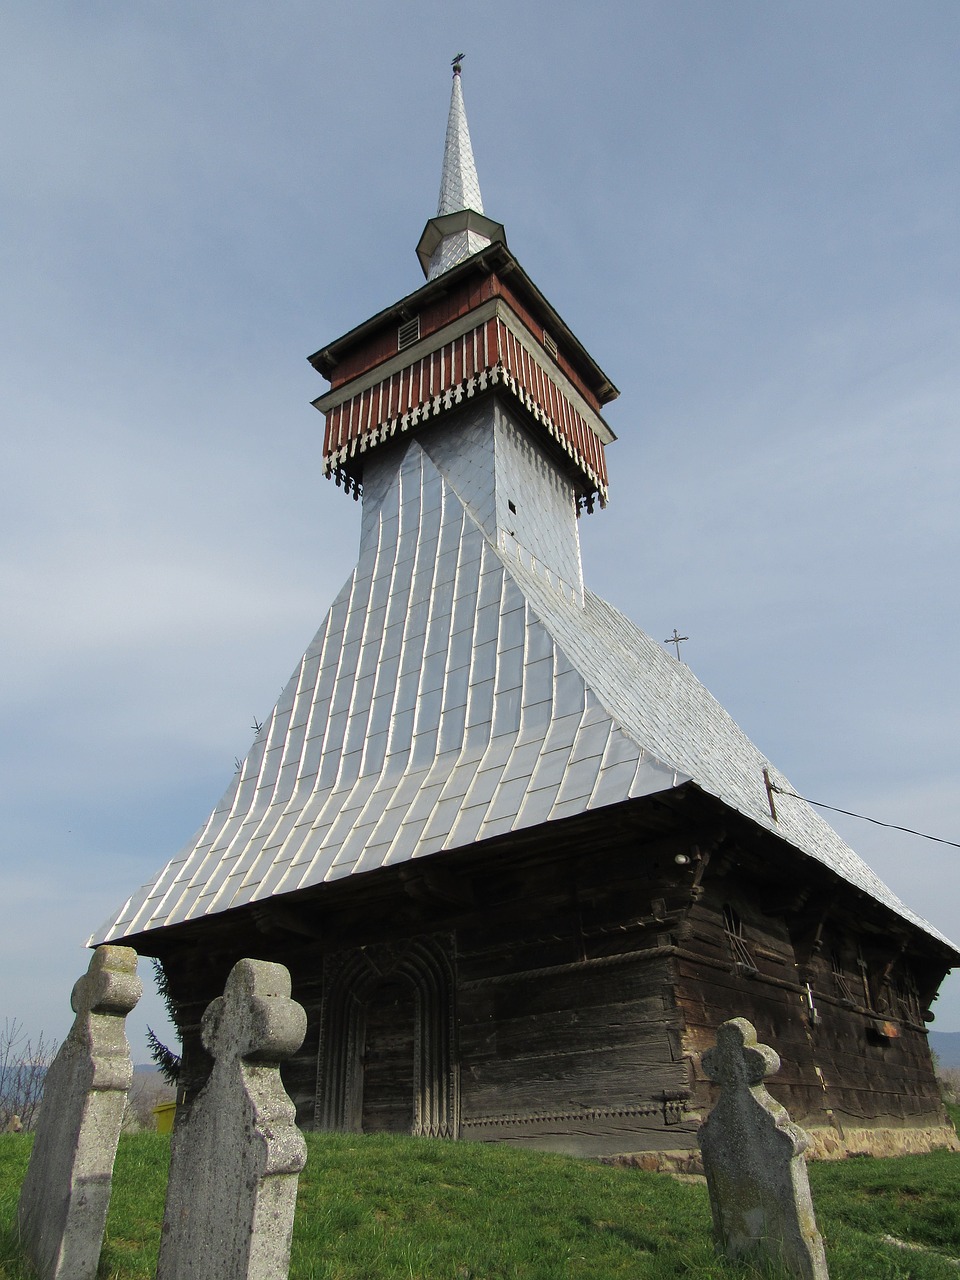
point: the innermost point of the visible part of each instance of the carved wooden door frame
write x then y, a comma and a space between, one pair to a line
350, 979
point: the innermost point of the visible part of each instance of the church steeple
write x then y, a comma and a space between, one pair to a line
478, 330
460, 229
459, 184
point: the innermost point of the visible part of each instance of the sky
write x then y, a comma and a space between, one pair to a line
747, 212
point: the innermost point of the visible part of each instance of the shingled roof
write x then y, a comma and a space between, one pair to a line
458, 690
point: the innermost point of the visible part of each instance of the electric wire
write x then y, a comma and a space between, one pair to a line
876, 821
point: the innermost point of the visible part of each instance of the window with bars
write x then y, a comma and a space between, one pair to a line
550, 345
841, 987
733, 928
908, 998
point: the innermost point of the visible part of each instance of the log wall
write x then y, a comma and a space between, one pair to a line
860, 1060
560, 996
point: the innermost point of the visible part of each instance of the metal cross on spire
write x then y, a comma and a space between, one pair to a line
677, 640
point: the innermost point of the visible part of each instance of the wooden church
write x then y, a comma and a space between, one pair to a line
519, 862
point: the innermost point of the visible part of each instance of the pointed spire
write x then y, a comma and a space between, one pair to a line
460, 229
459, 184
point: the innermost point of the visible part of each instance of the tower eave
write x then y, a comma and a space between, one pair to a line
495, 258
437, 230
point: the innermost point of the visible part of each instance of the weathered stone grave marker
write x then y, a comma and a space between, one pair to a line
66, 1193
237, 1153
752, 1156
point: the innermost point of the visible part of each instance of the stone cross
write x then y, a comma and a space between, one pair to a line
236, 1151
752, 1156
66, 1193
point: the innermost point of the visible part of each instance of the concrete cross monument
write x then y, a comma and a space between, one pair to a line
753, 1159
236, 1153
66, 1193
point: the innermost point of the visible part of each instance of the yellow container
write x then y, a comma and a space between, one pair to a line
165, 1114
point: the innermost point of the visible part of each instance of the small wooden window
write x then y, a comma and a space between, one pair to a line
840, 985
549, 345
408, 333
908, 998
733, 928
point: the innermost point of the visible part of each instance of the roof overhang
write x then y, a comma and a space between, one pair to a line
496, 258
437, 230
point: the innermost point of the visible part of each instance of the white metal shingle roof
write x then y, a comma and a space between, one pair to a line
459, 190
459, 184
453, 694
660, 702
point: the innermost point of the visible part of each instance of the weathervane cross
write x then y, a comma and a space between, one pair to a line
676, 639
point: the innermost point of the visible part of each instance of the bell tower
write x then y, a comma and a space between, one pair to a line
481, 370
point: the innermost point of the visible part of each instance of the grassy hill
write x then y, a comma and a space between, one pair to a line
384, 1208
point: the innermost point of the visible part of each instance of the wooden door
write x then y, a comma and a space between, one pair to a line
388, 1059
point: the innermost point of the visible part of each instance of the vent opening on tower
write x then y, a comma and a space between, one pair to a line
408, 333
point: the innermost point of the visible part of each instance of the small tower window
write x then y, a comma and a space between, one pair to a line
408, 333
550, 345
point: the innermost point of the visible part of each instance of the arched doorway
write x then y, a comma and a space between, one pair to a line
387, 1058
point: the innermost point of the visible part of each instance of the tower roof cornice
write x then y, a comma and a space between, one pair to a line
496, 259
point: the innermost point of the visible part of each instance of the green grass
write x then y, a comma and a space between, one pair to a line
387, 1208
393, 1207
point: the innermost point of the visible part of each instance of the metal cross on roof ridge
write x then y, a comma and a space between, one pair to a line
676, 639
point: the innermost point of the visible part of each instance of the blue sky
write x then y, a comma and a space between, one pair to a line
746, 210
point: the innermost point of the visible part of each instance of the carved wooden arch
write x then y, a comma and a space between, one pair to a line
350, 980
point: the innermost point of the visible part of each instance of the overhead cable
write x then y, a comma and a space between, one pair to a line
876, 821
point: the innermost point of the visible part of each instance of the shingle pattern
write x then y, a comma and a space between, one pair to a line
459, 189
453, 694
454, 249
459, 184
658, 701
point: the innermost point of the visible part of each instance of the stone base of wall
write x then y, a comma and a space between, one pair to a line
677, 1162
836, 1144
825, 1144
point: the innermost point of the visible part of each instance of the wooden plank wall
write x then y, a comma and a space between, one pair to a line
589, 975
570, 1037
583, 1058
836, 1069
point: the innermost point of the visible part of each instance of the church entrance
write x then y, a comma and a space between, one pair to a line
388, 1059
387, 1056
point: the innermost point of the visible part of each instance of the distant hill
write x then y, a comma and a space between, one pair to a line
946, 1045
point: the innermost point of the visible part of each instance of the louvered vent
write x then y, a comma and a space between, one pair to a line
408, 333
550, 345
